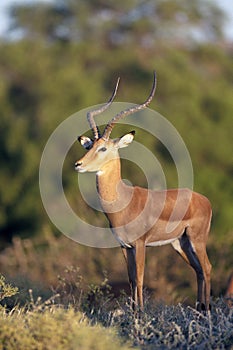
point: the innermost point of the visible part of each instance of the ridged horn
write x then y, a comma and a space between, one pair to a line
91, 114
114, 120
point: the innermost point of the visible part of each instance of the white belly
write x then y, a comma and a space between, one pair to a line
159, 243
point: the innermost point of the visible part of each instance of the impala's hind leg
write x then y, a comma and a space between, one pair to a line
196, 256
195, 263
200, 251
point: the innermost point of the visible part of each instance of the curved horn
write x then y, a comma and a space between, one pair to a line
91, 114
114, 120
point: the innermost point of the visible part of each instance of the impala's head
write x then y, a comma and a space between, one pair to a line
101, 152
102, 149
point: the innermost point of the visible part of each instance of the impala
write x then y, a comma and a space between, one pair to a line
139, 217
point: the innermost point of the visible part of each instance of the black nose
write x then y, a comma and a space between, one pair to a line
78, 164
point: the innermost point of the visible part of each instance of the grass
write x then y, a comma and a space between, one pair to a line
74, 319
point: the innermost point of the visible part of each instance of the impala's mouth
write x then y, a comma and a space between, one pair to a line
79, 169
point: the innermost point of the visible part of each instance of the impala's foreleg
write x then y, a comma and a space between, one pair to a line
140, 267
135, 259
129, 254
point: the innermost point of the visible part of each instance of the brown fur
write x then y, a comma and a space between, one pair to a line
139, 217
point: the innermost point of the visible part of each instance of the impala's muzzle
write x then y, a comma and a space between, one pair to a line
78, 166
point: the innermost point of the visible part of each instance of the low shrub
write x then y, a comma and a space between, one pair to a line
80, 320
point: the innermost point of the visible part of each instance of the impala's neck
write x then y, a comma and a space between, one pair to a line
109, 182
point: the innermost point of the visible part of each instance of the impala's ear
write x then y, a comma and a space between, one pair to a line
85, 141
125, 140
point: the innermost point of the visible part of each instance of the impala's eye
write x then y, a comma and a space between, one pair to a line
102, 149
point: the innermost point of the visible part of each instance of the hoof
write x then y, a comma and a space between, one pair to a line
201, 307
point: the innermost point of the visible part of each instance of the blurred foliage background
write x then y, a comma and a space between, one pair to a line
62, 56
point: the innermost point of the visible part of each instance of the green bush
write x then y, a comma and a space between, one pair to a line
55, 328
6, 289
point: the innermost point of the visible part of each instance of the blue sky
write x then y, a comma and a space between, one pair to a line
4, 4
